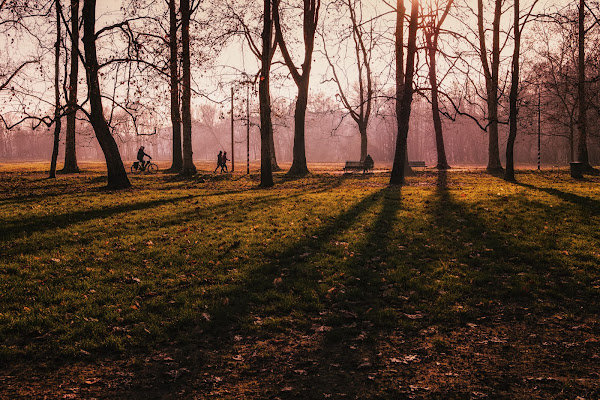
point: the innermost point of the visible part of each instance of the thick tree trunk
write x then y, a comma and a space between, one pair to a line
266, 127
177, 164
70, 142
188, 163
117, 177
302, 79
362, 129
403, 109
509, 174
299, 166
57, 121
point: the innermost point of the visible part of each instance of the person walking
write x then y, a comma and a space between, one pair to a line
224, 160
219, 161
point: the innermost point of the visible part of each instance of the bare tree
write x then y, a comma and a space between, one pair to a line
117, 176
301, 78
359, 110
432, 29
518, 27
491, 73
404, 86
57, 118
70, 142
177, 163
266, 125
251, 32
188, 167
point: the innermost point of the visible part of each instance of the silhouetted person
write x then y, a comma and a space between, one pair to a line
140, 157
219, 161
368, 163
224, 160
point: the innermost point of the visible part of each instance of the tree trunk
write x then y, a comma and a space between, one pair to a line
188, 163
509, 174
266, 127
582, 153
302, 79
274, 165
177, 163
117, 177
404, 103
362, 129
70, 142
299, 166
491, 82
442, 162
57, 121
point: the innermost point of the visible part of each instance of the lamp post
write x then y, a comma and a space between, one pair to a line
539, 123
232, 141
248, 128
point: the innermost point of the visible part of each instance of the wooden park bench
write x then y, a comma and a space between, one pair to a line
355, 166
417, 164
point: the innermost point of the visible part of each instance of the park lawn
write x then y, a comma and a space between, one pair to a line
457, 285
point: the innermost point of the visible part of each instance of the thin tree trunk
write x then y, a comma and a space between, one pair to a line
509, 174
57, 120
582, 153
266, 127
274, 165
404, 103
431, 37
442, 162
70, 141
491, 82
177, 164
188, 163
117, 176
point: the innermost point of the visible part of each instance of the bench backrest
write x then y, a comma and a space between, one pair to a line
354, 164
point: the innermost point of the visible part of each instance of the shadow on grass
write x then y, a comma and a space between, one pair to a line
507, 290
591, 205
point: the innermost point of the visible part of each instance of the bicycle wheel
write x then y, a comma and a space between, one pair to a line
134, 170
152, 168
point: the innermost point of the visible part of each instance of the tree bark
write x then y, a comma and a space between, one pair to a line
57, 119
177, 163
404, 90
188, 167
70, 141
266, 127
362, 129
299, 166
509, 174
117, 176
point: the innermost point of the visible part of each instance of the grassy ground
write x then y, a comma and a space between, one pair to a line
458, 285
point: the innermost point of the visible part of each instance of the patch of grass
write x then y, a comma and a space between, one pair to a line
328, 284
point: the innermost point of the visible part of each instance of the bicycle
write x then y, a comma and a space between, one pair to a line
138, 168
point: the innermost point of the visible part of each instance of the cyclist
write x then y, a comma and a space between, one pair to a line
140, 157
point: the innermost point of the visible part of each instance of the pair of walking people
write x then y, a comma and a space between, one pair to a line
222, 162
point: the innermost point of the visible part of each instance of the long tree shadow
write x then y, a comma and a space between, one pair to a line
592, 205
497, 295
40, 225
276, 346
